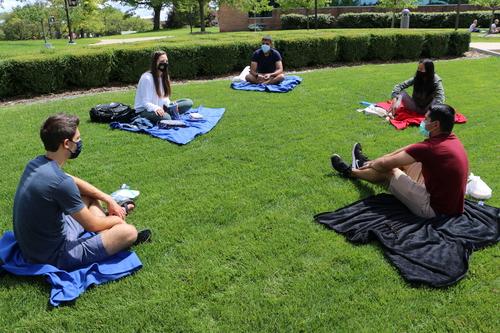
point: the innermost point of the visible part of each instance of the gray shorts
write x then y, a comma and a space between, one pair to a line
79, 252
412, 192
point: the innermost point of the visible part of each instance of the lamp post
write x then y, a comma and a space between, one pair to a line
457, 17
66, 4
47, 44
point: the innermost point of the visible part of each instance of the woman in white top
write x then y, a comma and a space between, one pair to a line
152, 99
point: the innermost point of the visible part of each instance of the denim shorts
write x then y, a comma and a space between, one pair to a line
79, 251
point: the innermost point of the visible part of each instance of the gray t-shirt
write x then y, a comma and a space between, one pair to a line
43, 195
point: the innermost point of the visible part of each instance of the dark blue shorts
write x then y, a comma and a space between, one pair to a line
79, 251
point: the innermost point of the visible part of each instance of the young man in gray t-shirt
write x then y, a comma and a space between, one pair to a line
53, 209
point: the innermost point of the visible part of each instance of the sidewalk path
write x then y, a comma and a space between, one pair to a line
127, 40
488, 48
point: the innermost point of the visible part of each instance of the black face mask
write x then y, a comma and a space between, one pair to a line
420, 76
163, 66
78, 150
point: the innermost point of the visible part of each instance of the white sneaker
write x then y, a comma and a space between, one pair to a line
477, 188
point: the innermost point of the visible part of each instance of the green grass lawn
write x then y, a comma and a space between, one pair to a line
480, 38
235, 247
33, 48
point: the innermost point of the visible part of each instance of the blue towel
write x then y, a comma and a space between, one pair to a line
286, 85
180, 135
66, 286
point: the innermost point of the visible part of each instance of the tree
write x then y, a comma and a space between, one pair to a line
25, 22
490, 4
397, 5
156, 5
185, 9
306, 4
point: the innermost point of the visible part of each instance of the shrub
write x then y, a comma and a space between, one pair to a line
300, 52
458, 44
36, 76
325, 21
5, 86
295, 52
88, 70
435, 45
417, 20
129, 64
382, 47
408, 46
298, 21
185, 61
244, 55
324, 51
354, 48
293, 21
364, 20
224, 54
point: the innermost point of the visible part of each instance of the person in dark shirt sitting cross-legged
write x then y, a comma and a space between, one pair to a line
266, 66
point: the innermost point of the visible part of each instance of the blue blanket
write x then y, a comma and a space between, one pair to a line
286, 85
180, 135
66, 286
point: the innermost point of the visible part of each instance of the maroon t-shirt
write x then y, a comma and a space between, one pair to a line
445, 169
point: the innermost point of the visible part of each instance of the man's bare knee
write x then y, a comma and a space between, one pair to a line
119, 237
250, 78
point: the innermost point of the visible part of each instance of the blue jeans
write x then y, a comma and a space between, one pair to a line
183, 105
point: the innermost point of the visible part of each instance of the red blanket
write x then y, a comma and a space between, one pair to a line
405, 117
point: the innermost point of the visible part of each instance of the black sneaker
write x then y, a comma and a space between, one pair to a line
142, 237
338, 164
358, 159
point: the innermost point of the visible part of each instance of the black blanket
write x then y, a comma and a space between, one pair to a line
425, 251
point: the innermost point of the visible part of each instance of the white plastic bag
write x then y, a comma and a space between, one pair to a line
477, 188
374, 110
243, 74
124, 193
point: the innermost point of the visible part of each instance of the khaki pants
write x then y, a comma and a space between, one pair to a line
409, 188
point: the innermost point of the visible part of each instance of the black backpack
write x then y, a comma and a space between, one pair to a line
107, 113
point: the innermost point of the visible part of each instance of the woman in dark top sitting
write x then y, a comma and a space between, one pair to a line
427, 89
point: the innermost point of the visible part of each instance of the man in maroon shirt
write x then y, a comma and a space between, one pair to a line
429, 177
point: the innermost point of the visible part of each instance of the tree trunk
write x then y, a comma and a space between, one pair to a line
307, 18
492, 19
191, 14
393, 19
201, 3
156, 19
457, 18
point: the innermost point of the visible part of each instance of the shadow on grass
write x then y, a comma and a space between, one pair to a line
364, 189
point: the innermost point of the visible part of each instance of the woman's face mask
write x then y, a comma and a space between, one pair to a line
163, 66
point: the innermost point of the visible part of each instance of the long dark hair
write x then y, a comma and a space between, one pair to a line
424, 82
164, 79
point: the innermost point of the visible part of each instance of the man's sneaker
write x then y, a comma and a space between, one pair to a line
358, 159
142, 237
340, 166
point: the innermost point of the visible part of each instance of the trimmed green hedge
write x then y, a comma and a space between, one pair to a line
95, 68
298, 21
417, 20
88, 70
